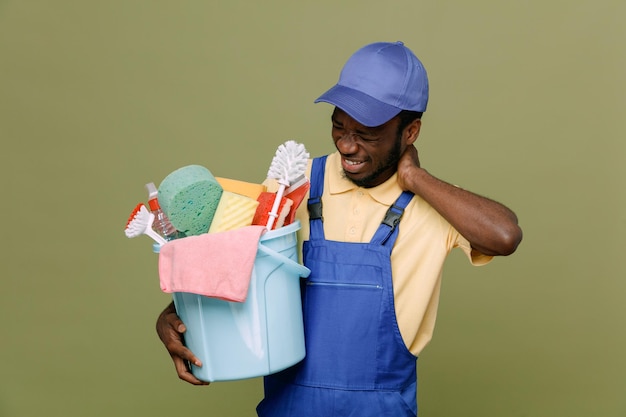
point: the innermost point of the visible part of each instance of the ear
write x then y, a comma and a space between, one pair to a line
412, 131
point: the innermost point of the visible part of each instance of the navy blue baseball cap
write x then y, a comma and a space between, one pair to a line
379, 81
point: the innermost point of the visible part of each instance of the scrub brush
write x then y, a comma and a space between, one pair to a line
140, 222
287, 166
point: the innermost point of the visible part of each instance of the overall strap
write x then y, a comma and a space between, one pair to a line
388, 230
315, 197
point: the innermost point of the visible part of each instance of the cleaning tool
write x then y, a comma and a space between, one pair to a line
189, 196
296, 193
248, 189
215, 265
140, 222
162, 224
233, 212
288, 164
262, 215
236, 340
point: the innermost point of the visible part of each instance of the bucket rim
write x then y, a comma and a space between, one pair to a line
281, 231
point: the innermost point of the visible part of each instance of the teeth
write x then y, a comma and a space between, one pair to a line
352, 162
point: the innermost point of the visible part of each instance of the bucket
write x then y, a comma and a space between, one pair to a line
260, 336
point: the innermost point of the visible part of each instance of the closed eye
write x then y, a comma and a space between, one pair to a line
362, 135
367, 138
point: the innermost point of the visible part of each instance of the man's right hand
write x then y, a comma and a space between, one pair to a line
170, 329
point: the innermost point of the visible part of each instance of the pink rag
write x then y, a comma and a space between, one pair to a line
217, 265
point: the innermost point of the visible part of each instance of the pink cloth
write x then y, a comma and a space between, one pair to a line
215, 265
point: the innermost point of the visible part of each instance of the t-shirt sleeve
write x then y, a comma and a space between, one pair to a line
475, 257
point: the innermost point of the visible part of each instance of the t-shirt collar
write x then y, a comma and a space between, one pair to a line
385, 193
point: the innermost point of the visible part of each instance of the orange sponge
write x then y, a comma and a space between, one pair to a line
266, 201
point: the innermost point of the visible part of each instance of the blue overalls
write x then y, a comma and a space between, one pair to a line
356, 362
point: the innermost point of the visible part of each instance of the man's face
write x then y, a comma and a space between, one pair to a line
369, 155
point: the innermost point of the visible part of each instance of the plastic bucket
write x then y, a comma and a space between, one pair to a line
260, 336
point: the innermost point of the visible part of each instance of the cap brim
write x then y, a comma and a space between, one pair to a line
363, 108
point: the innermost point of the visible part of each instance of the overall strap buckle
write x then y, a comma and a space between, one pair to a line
314, 207
389, 226
393, 216
392, 219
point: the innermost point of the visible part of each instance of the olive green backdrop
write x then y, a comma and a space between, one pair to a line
98, 98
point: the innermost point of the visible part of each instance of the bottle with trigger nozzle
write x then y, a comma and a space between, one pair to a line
162, 224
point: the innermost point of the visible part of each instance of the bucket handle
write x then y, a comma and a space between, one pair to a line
303, 271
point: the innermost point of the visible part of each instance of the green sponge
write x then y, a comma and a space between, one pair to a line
189, 197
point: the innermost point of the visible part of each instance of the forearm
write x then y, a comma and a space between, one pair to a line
490, 227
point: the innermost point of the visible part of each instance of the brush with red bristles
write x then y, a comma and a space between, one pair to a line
140, 223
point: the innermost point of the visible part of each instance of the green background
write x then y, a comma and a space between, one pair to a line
99, 98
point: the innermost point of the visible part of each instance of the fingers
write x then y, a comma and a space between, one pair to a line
184, 373
411, 154
170, 329
182, 357
177, 350
175, 322
408, 165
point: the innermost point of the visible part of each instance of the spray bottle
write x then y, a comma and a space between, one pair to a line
162, 224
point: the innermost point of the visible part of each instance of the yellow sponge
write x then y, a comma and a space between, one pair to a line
233, 211
248, 189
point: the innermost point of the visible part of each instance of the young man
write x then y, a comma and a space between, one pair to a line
376, 234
